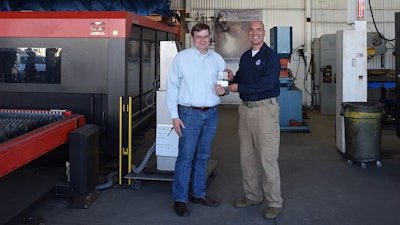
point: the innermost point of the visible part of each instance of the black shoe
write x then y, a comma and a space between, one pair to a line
206, 200
181, 209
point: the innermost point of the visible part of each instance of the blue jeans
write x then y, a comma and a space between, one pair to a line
194, 150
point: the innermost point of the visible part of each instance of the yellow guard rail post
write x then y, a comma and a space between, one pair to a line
125, 139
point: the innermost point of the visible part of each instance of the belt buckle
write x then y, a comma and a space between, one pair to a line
249, 104
253, 104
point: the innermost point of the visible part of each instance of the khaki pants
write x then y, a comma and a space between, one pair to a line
259, 134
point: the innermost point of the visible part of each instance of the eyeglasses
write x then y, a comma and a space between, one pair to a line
202, 38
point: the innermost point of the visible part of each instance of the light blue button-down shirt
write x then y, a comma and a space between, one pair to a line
191, 80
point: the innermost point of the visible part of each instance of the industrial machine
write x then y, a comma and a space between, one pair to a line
28, 134
324, 52
80, 62
290, 98
166, 137
83, 62
351, 61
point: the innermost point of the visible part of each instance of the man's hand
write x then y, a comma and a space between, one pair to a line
177, 123
219, 89
233, 87
230, 74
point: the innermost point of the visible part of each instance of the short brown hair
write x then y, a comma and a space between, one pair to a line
199, 27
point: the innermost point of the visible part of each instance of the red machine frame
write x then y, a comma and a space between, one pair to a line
98, 24
23, 149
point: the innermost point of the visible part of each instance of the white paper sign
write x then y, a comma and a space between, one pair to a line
166, 140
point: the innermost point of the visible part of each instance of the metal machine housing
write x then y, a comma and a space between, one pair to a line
105, 55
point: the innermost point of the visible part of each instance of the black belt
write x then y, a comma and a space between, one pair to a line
198, 108
201, 108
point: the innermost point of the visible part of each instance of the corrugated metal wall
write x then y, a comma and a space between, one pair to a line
178, 4
327, 17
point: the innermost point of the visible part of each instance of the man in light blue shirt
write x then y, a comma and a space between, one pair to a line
192, 98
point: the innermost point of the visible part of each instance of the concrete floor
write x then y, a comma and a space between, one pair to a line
318, 187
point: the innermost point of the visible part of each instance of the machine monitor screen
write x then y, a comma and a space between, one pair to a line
30, 65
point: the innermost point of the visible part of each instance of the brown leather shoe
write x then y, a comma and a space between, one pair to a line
272, 212
181, 209
206, 200
244, 202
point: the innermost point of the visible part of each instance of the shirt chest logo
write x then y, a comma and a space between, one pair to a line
258, 62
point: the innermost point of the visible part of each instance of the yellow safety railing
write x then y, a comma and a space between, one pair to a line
125, 138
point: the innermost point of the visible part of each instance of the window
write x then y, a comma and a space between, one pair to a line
30, 65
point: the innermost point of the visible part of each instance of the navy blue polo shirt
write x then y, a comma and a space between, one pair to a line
258, 76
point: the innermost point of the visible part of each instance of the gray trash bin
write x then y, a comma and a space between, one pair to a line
363, 122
